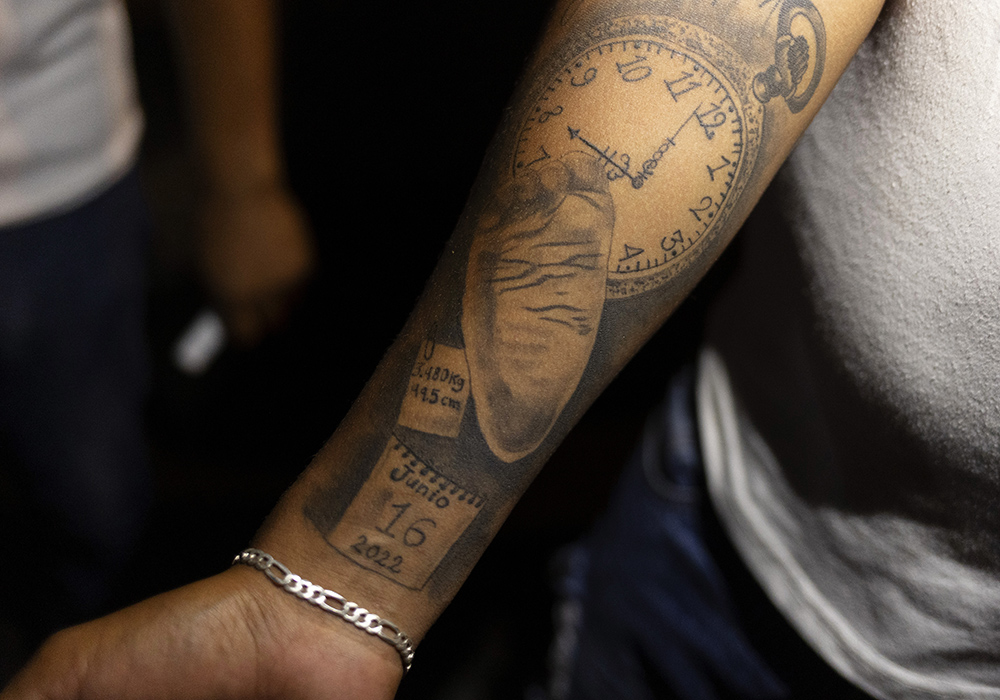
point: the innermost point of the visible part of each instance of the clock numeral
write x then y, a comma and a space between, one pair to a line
631, 252
676, 239
544, 156
587, 78
545, 116
711, 120
712, 171
632, 72
616, 171
706, 204
679, 86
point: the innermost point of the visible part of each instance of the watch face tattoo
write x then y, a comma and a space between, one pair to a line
405, 519
631, 158
666, 108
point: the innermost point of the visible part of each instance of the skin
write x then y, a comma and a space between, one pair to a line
256, 249
366, 519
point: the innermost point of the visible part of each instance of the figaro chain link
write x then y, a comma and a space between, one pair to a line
331, 602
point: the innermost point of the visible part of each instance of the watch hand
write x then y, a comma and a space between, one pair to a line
575, 134
650, 165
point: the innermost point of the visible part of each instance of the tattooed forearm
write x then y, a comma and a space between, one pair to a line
642, 137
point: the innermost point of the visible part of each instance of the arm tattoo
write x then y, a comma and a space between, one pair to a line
613, 185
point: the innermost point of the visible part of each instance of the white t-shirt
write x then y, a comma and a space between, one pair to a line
70, 120
850, 412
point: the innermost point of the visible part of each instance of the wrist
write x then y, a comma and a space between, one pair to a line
329, 602
302, 641
311, 556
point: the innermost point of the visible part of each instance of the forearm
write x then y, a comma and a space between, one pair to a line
640, 138
227, 53
256, 249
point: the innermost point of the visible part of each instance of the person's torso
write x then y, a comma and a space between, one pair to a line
861, 335
70, 122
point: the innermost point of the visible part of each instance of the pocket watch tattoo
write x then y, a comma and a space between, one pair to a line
628, 162
676, 133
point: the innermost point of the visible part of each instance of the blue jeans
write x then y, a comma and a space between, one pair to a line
665, 607
73, 373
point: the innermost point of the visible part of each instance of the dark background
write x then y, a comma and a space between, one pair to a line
387, 111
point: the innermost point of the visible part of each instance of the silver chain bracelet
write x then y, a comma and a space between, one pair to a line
318, 596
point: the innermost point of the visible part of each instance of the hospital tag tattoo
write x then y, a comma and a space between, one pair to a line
438, 391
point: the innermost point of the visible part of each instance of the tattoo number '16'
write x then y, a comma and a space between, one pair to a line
414, 535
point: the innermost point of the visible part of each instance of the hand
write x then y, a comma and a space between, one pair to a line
233, 636
256, 253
